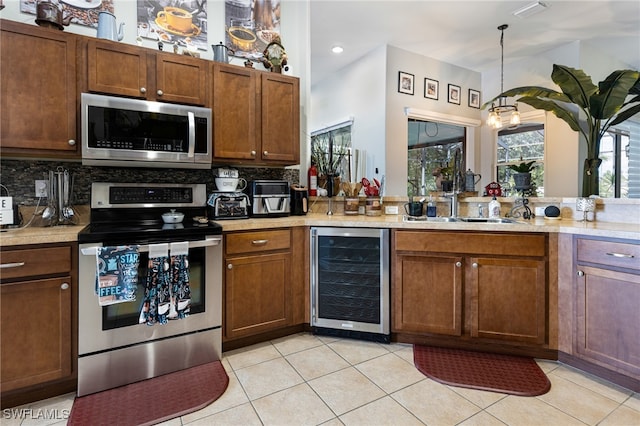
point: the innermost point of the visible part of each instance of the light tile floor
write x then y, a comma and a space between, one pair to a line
310, 380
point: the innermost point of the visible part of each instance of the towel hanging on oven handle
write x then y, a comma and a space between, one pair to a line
208, 242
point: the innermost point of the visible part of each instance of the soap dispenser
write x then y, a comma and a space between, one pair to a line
431, 207
494, 208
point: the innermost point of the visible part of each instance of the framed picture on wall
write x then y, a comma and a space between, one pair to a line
431, 88
454, 94
474, 98
406, 82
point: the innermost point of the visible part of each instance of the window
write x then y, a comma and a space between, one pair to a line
615, 149
522, 144
331, 150
433, 147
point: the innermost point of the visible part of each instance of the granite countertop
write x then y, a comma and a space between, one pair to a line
68, 233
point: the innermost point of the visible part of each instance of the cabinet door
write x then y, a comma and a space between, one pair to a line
427, 294
117, 68
607, 319
38, 102
280, 119
181, 79
234, 113
508, 299
257, 294
35, 332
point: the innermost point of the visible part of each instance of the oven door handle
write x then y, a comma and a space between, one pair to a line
207, 242
192, 134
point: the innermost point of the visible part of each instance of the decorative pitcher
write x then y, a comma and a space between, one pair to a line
107, 27
470, 181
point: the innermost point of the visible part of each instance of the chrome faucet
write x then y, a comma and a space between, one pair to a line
457, 183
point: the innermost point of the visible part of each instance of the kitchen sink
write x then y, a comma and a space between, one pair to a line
486, 220
441, 219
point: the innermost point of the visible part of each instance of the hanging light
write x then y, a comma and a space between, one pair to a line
496, 112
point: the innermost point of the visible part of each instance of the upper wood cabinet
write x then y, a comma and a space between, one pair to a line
256, 116
144, 73
39, 94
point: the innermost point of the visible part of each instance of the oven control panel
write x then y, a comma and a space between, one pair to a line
156, 195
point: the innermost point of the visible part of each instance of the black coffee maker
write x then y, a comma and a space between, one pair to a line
299, 200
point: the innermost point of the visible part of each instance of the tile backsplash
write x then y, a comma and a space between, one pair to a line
19, 176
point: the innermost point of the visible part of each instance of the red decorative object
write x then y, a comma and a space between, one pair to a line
493, 188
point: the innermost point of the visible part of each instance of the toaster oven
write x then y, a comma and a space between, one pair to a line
269, 198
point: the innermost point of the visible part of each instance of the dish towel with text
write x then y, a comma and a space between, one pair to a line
116, 274
167, 291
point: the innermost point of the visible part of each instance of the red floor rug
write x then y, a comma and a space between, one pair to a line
154, 400
513, 375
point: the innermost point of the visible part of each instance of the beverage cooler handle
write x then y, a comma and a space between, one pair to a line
192, 134
208, 242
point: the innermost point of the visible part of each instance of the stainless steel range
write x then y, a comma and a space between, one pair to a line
114, 346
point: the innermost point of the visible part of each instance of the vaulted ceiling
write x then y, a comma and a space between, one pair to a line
465, 33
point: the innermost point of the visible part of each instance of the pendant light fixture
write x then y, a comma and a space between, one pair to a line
497, 111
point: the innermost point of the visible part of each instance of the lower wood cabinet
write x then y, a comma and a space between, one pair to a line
38, 328
475, 286
258, 290
607, 304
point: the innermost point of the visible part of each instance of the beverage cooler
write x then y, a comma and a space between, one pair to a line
350, 282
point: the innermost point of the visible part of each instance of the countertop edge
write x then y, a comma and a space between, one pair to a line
64, 234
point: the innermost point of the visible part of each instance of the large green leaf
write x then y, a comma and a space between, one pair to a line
574, 83
612, 93
532, 91
625, 115
564, 114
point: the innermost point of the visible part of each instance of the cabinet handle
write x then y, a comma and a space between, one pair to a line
11, 265
143, 90
580, 273
160, 92
64, 286
259, 242
458, 264
474, 265
627, 256
265, 153
253, 153
229, 266
71, 142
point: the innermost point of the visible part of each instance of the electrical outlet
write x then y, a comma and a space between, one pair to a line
42, 188
390, 209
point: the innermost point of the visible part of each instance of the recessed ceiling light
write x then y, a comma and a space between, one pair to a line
531, 9
337, 49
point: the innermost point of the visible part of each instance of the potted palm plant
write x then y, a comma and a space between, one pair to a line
612, 101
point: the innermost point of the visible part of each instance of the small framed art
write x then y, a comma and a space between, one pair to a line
454, 94
431, 88
474, 98
406, 83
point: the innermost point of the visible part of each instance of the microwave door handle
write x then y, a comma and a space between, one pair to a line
192, 134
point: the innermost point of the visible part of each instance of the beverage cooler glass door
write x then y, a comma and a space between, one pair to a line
350, 282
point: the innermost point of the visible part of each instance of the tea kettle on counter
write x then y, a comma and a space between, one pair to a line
470, 181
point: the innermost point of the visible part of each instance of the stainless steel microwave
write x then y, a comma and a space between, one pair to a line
137, 133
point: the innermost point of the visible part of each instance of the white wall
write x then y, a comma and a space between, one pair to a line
357, 91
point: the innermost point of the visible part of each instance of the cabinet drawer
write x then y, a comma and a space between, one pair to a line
249, 242
618, 254
34, 262
471, 243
